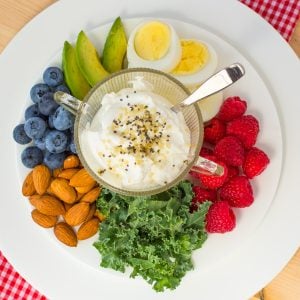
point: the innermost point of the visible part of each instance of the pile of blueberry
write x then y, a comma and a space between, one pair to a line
47, 125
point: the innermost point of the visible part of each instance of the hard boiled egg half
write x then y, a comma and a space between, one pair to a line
154, 44
198, 62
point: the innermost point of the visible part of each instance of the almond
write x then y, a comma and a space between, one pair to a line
61, 189
34, 199
43, 220
67, 206
49, 205
49, 189
67, 173
79, 196
82, 178
56, 172
77, 214
84, 189
41, 178
65, 234
28, 188
91, 212
91, 196
99, 215
71, 161
88, 229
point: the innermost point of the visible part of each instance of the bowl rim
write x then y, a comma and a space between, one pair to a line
150, 191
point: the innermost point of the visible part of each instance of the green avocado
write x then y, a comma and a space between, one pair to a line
77, 84
115, 47
88, 60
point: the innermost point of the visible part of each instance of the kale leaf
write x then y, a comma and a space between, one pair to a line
154, 235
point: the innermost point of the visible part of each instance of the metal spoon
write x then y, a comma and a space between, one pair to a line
212, 85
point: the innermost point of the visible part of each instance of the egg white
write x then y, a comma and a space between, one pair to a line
194, 79
166, 64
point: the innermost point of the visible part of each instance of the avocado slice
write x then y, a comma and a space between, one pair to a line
88, 60
115, 47
79, 87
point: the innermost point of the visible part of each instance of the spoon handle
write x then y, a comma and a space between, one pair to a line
212, 85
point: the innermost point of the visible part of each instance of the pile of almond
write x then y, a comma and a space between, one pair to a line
64, 200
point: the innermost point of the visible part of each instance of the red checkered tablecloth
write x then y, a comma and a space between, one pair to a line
281, 14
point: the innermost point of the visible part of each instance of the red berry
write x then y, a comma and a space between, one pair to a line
232, 172
232, 108
214, 131
201, 195
255, 162
220, 218
245, 128
237, 192
230, 150
205, 151
213, 181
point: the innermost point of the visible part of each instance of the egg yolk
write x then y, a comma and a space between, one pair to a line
194, 57
152, 41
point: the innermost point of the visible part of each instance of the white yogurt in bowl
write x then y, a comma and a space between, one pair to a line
136, 140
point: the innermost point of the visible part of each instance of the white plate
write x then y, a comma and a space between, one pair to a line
254, 261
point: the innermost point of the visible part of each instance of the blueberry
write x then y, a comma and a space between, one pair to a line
53, 76
33, 111
72, 146
35, 127
54, 160
20, 135
32, 156
63, 119
62, 88
37, 91
47, 104
50, 121
56, 141
41, 142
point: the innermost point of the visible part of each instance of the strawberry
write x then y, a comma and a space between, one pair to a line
220, 218
245, 128
214, 131
201, 195
230, 150
213, 181
237, 192
255, 162
232, 108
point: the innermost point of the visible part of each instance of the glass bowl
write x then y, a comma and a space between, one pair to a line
164, 85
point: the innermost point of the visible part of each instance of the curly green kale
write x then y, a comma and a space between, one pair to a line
154, 235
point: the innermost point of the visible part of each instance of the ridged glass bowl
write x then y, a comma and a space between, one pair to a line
164, 85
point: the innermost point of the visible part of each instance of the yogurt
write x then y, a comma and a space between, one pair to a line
136, 140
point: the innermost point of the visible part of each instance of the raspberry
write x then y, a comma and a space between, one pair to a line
205, 151
232, 108
255, 162
237, 192
232, 172
213, 181
214, 131
245, 128
201, 195
220, 218
230, 150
